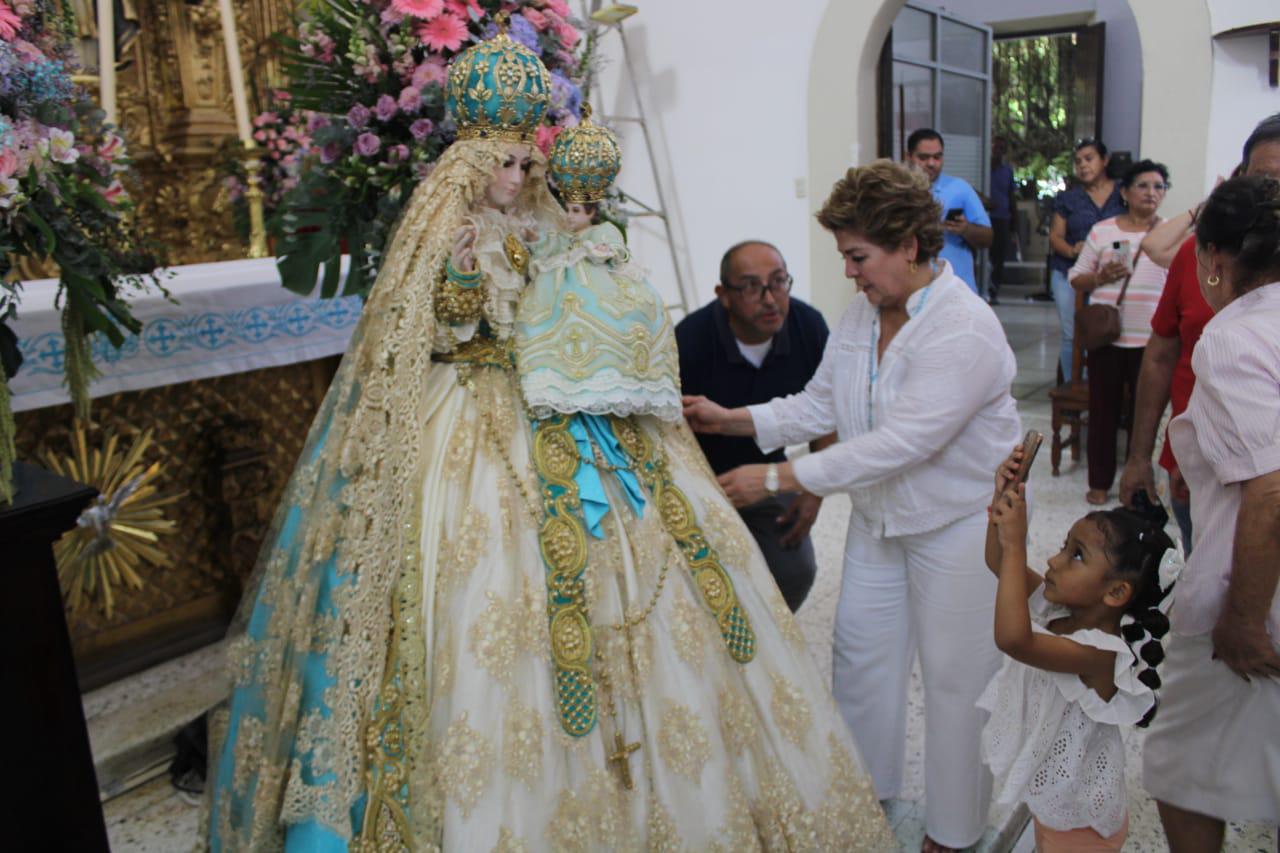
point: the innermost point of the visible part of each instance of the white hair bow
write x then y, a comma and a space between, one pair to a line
1171, 566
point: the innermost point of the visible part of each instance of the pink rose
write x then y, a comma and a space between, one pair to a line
568, 35
8, 162
431, 72
545, 136
560, 7
358, 116
536, 18
421, 128
386, 108
410, 100
368, 144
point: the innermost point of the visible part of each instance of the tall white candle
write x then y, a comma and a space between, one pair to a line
239, 100
107, 58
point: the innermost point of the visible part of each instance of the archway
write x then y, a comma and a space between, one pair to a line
1177, 66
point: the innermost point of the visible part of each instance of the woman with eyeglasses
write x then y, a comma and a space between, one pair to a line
1112, 263
1093, 197
915, 381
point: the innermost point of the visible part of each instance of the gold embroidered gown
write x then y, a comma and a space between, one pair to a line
451, 649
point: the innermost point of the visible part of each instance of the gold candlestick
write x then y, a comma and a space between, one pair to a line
255, 197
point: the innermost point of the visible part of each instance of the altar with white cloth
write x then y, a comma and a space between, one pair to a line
223, 318
227, 373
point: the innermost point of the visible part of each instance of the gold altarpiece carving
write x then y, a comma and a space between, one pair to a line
229, 442
175, 109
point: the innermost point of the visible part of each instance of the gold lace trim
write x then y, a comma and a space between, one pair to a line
682, 524
563, 542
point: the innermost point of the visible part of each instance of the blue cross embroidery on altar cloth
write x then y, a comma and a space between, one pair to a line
169, 337
211, 332
159, 336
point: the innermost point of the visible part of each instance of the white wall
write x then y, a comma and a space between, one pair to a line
725, 95
1241, 97
1232, 14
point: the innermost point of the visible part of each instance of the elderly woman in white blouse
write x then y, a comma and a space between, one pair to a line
915, 380
1213, 753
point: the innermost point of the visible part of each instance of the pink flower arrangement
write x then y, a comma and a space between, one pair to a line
432, 72
386, 108
467, 10
423, 9
546, 137
367, 144
410, 100
59, 167
115, 193
540, 21
421, 129
10, 23
445, 32
388, 62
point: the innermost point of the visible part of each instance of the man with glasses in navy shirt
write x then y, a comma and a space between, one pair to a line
753, 343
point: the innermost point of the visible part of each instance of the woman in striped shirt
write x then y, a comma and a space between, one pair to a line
1110, 256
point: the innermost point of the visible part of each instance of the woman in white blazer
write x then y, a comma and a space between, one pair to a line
915, 380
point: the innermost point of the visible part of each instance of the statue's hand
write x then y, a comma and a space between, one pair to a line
463, 255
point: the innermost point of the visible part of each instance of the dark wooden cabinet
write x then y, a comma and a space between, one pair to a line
51, 801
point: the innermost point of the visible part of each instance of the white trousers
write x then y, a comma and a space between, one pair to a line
931, 593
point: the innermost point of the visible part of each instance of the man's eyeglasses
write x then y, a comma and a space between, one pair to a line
754, 288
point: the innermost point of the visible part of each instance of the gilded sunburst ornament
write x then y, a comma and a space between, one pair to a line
120, 529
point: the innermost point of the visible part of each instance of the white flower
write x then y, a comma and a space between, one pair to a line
1171, 566
62, 146
10, 196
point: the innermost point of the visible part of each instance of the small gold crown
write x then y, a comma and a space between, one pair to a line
584, 161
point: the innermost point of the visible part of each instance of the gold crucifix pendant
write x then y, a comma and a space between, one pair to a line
622, 757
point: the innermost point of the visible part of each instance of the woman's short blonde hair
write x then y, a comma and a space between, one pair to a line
888, 204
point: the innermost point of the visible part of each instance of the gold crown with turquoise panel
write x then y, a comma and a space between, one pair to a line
584, 161
498, 89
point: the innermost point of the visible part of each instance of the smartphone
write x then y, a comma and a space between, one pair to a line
1120, 251
1030, 447
956, 212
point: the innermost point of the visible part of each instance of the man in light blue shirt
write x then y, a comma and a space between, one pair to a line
965, 223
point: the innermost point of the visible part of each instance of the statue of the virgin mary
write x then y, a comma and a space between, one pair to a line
476, 626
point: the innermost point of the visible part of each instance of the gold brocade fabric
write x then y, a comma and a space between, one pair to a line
352, 513
402, 591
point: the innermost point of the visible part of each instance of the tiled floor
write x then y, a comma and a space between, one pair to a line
152, 818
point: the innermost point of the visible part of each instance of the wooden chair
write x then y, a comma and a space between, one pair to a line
1070, 402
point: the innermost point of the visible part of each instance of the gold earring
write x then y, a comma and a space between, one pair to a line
1213, 281
911, 267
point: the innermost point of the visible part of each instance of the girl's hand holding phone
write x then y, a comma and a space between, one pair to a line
1007, 473
1009, 514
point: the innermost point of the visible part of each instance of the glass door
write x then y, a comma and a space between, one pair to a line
938, 71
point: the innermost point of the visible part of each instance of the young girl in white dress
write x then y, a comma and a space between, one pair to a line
1082, 643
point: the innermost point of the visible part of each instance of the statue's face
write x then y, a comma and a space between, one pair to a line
508, 179
578, 216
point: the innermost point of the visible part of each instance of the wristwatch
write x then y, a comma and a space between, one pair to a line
771, 479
